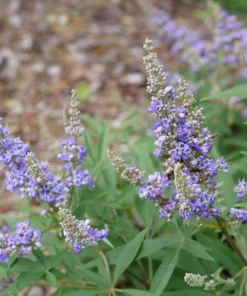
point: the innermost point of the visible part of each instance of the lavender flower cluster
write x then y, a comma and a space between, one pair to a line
184, 146
79, 233
228, 42
189, 184
20, 242
73, 154
31, 179
28, 176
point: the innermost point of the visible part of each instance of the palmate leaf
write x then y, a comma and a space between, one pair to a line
93, 277
128, 254
223, 255
104, 273
196, 249
164, 272
187, 263
153, 245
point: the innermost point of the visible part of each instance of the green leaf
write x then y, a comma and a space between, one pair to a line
144, 156
3, 272
90, 145
188, 263
11, 291
244, 153
239, 91
28, 278
39, 255
91, 122
196, 249
133, 292
112, 257
104, 273
84, 293
164, 272
222, 253
128, 255
103, 140
93, 277
241, 205
24, 264
54, 261
187, 293
83, 91
151, 246
51, 279
227, 187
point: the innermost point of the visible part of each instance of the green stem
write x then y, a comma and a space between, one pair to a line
150, 269
71, 196
49, 227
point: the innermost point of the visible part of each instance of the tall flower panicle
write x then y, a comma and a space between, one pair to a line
131, 174
74, 127
74, 154
78, 233
184, 147
20, 242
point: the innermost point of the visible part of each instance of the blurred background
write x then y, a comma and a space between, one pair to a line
49, 47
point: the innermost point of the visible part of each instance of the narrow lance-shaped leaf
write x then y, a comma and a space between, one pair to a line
128, 255
241, 205
103, 140
239, 91
84, 293
187, 293
151, 246
132, 292
164, 272
51, 279
196, 249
